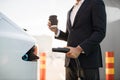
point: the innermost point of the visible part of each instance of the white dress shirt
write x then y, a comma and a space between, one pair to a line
73, 14
75, 10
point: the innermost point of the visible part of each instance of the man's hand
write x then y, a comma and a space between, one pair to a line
74, 52
53, 28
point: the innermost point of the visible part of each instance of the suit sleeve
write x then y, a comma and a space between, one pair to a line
63, 35
98, 27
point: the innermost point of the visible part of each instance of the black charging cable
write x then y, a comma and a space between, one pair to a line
79, 75
79, 69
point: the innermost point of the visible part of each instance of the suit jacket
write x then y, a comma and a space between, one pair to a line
88, 31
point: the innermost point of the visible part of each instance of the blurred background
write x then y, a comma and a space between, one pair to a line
33, 15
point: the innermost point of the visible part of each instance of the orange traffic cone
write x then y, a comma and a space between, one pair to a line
109, 60
42, 66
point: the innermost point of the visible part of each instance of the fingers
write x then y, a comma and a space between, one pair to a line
53, 28
72, 53
49, 24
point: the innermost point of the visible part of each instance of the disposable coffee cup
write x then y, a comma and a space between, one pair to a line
53, 19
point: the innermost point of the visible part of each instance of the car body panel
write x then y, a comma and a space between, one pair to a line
14, 43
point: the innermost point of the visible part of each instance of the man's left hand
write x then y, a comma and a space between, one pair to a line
74, 52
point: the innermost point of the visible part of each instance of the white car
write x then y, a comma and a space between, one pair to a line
17, 49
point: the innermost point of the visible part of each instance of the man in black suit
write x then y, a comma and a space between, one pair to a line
85, 29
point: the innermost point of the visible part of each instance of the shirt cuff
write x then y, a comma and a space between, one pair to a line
82, 51
58, 33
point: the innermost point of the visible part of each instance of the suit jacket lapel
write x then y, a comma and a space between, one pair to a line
80, 11
69, 22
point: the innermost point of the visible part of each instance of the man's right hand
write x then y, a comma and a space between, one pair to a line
53, 28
